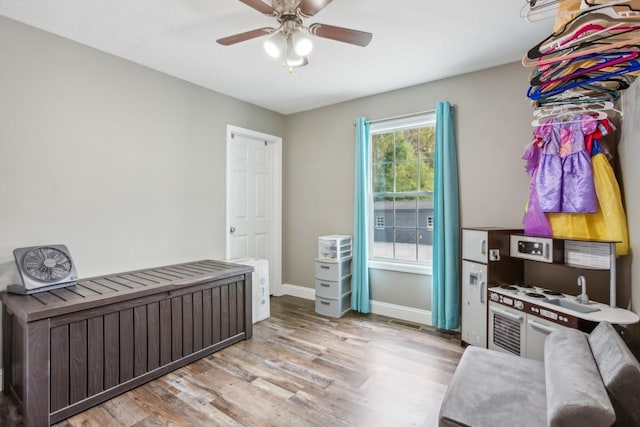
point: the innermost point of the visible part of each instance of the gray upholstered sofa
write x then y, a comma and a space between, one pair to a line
585, 380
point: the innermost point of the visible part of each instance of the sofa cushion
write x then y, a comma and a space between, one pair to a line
576, 395
493, 389
620, 373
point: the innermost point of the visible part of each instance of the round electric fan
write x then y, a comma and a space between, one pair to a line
43, 268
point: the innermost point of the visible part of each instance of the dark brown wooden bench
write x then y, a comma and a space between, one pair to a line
69, 349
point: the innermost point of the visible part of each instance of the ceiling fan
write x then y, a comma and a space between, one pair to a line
287, 38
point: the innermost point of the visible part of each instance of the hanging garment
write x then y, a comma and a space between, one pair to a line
535, 222
564, 182
608, 223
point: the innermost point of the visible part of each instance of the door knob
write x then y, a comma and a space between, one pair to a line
233, 229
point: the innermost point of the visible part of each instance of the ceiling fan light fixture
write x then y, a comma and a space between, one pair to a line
301, 43
274, 44
292, 59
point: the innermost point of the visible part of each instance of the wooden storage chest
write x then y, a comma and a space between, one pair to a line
69, 349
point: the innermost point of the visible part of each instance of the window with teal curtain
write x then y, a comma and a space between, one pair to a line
360, 245
445, 290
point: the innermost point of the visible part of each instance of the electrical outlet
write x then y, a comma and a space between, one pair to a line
494, 254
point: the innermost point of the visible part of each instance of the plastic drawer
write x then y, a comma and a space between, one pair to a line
333, 289
332, 269
334, 247
333, 307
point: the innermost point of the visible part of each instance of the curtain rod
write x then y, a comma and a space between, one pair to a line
402, 116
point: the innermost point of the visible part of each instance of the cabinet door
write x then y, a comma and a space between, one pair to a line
475, 245
474, 303
537, 331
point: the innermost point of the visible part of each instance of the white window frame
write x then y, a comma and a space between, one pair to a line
407, 122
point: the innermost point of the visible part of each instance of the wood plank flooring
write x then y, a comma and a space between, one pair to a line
299, 369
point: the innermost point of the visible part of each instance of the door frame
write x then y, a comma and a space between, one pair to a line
275, 216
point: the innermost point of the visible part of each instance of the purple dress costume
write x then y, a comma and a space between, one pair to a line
564, 180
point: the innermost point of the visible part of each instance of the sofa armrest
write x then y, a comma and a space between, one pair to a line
620, 373
576, 395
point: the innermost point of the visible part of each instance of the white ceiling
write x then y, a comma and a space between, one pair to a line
414, 41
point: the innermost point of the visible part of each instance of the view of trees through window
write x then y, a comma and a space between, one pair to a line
402, 189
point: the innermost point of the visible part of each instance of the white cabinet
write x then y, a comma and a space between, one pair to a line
474, 245
522, 334
473, 310
486, 262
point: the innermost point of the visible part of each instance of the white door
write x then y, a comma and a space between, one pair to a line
251, 188
254, 199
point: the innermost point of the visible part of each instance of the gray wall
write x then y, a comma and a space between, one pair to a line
123, 164
493, 120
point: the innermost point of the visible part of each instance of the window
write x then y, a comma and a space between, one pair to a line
402, 182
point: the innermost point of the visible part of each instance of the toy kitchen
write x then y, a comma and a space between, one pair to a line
517, 288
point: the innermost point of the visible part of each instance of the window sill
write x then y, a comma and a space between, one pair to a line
424, 270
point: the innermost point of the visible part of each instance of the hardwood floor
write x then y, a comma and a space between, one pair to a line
299, 369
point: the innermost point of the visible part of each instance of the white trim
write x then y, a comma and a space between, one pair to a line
395, 311
1, 381
275, 261
402, 122
424, 270
298, 291
409, 314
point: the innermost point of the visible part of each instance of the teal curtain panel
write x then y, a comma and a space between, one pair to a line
445, 291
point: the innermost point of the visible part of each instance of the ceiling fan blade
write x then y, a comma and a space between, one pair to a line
345, 35
310, 7
260, 7
247, 35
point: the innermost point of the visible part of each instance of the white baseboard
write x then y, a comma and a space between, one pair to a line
299, 291
408, 314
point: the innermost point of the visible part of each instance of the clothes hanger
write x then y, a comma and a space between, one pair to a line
544, 11
554, 110
606, 71
584, 93
605, 18
539, 92
614, 12
593, 30
561, 56
579, 66
608, 81
595, 114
